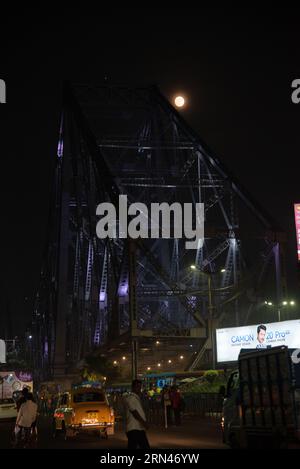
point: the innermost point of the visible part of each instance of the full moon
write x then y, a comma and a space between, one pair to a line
179, 101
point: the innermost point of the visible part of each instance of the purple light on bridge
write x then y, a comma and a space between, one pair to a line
123, 289
60, 149
60, 146
192, 300
46, 349
102, 296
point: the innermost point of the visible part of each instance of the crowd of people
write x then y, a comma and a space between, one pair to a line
173, 403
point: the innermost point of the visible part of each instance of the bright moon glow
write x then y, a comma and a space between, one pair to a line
179, 101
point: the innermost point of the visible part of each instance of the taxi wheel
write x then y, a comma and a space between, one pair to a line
55, 432
64, 431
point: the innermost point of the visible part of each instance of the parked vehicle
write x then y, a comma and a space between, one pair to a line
262, 401
83, 409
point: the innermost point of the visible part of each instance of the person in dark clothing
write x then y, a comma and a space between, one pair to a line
23, 398
176, 400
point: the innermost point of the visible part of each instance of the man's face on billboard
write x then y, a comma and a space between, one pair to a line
261, 336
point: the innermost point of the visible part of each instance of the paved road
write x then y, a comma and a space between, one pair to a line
193, 433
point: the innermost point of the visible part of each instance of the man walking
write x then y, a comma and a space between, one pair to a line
136, 424
26, 419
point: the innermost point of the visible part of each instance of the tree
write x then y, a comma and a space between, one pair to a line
96, 367
211, 375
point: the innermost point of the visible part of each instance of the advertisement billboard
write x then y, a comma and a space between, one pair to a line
11, 381
230, 341
297, 223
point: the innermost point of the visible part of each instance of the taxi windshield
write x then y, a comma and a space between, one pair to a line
89, 397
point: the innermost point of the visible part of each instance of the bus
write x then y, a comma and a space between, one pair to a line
168, 378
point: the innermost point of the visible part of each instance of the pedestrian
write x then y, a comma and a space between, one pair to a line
26, 420
167, 405
177, 404
136, 423
22, 398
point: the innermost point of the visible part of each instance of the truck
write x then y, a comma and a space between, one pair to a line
261, 406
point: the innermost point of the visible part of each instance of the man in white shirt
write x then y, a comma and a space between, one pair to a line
26, 418
136, 423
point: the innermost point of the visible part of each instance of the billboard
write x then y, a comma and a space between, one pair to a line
11, 381
297, 223
231, 341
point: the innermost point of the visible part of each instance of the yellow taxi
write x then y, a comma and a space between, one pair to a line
83, 409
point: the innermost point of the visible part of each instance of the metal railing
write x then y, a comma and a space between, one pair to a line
195, 405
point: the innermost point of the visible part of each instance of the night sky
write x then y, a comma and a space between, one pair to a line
235, 66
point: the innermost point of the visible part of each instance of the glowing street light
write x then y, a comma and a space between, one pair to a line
194, 267
280, 305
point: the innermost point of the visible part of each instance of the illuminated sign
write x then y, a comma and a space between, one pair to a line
2, 92
2, 351
260, 336
297, 223
12, 381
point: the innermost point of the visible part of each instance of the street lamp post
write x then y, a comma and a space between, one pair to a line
210, 310
211, 329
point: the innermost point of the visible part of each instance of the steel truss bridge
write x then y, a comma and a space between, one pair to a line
126, 295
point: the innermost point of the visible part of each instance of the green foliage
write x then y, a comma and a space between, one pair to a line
96, 368
210, 382
211, 375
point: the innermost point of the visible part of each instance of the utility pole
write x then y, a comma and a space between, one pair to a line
211, 321
133, 308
